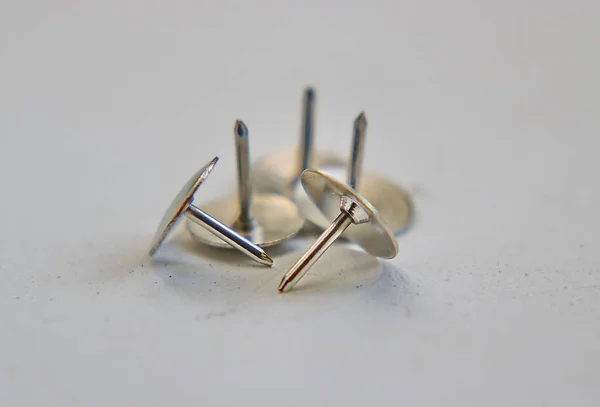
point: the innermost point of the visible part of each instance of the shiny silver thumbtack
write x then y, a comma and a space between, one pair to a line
264, 219
393, 204
367, 229
182, 206
277, 173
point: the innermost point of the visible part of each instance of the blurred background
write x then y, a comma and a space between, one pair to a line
485, 111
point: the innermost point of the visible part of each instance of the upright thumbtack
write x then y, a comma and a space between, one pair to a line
264, 219
182, 206
393, 203
277, 173
367, 230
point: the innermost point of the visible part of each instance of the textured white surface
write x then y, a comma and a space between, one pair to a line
486, 111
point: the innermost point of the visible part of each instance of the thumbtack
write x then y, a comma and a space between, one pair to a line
182, 206
394, 204
367, 229
264, 219
278, 173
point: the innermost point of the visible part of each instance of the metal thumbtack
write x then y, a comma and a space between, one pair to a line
277, 173
393, 203
264, 219
367, 231
182, 206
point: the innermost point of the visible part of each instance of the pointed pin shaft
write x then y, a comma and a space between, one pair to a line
234, 239
298, 270
358, 150
306, 136
242, 150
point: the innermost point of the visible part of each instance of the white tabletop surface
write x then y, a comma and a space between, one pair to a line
487, 112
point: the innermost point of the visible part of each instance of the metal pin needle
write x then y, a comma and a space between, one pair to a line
244, 219
228, 235
301, 267
358, 150
306, 136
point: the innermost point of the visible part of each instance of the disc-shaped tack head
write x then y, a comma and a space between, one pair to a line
326, 191
276, 173
274, 220
179, 205
393, 204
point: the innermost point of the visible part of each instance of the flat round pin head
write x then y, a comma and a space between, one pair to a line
277, 173
274, 220
393, 204
179, 205
326, 192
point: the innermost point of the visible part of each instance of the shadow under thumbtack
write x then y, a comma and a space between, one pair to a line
113, 261
339, 270
344, 269
344, 275
390, 288
205, 274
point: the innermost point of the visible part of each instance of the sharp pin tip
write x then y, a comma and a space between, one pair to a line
309, 92
283, 284
266, 259
361, 119
240, 128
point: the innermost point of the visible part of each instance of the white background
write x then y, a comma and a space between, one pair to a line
487, 112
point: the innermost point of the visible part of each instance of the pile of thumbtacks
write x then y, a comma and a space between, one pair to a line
271, 206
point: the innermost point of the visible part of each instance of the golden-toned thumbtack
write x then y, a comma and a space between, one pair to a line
393, 203
367, 229
277, 173
182, 206
264, 219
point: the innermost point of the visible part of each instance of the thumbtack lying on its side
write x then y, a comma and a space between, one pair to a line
182, 206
